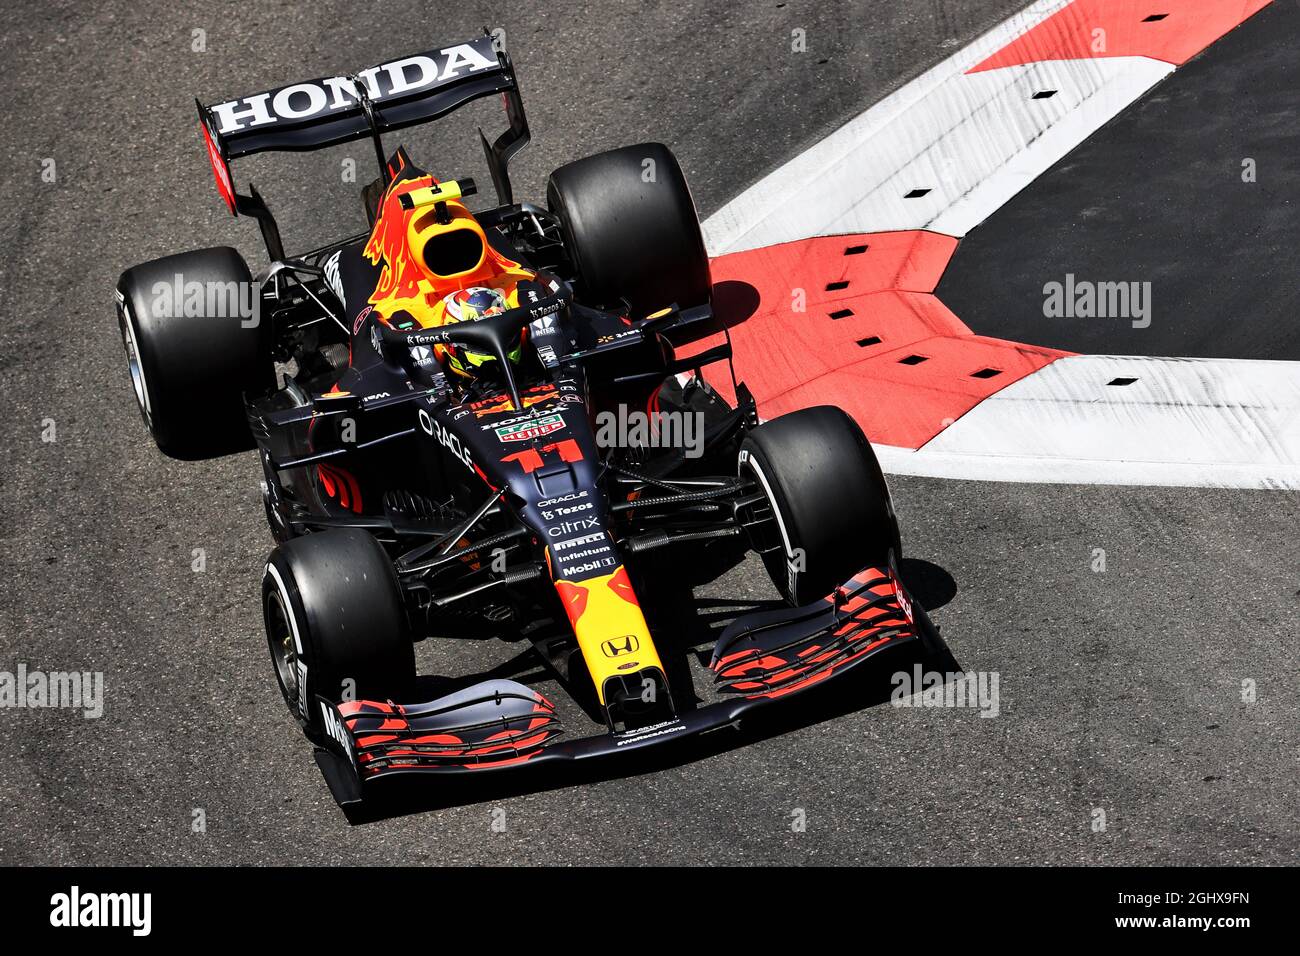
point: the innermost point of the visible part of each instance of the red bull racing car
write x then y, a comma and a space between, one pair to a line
476, 423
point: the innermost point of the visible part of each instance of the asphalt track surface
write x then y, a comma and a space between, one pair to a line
1158, 196
1121, 691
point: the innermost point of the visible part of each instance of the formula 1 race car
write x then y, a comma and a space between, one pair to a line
477, 423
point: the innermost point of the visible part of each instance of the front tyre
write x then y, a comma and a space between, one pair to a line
335, 622
829, 500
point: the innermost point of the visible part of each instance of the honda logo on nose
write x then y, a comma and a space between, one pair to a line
618, 646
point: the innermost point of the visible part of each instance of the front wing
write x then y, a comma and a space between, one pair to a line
501, 724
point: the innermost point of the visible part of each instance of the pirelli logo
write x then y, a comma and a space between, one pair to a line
618, 646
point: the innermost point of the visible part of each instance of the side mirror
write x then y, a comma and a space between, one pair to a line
337, 402
663, 319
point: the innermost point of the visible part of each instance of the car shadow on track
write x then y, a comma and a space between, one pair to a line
734, 301
928, 583
869, 685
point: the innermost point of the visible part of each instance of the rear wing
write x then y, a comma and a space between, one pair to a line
339, 109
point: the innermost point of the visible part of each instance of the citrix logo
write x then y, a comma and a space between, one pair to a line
569, 527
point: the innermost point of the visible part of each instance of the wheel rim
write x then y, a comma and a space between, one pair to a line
134, 365
788, 551
284, 655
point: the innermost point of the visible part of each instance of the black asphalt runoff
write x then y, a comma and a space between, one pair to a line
1192, 193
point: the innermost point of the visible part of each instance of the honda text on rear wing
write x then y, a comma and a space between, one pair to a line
340, 109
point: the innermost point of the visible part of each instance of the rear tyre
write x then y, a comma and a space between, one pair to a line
631, 230
335, 622
829, 498
189, 370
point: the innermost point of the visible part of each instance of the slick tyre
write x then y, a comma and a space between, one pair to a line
631, 230
828, 498
335, 623
191, 353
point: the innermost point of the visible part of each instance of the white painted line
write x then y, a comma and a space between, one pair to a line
1186, 422
960, 150
971, 140
1089, 93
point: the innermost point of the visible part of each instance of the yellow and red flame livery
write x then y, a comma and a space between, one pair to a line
611, 630
427, 255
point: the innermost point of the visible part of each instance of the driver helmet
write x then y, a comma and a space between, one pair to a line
467, 305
